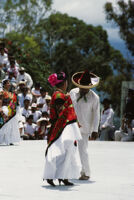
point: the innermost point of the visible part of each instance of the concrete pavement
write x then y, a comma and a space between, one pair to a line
112, 173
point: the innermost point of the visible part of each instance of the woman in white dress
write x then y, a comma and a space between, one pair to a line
9, 127
62, 157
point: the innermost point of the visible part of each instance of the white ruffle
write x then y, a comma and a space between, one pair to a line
9, 133
62, 160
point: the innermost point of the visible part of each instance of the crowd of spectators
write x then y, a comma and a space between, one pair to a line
34, 104
33, 100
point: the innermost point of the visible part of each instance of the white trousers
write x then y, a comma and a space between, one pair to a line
83, 151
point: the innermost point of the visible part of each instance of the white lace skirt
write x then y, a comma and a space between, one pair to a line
9, 133
62, 160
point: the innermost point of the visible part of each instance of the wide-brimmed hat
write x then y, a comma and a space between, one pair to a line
21, 69
48, 97
85, 79
42, 119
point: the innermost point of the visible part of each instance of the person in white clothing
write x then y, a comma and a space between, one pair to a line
30, 129
3, 55
36, 113
126, 132
87, 108
23, 76
106, 122
41, 101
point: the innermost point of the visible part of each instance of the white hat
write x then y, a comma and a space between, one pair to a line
42, 119
48, 97
27, 98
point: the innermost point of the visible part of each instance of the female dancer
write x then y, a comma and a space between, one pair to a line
62, 157
9, 129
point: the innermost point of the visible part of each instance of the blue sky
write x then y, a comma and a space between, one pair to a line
92, 12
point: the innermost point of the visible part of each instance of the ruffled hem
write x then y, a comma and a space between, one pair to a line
62, 159
9, 133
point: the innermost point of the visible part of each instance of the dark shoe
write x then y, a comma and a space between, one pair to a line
84, 178
50, 181
65, 181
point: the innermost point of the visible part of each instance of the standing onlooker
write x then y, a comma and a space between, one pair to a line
106, 122
23, 76
87, 107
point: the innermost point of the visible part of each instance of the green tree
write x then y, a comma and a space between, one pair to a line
123, 17
22, 15
72, 45
28, 54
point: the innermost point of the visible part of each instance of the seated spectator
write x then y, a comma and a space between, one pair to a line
106, 122
46, 106
23, 95
25, 77
42, 128
2, 73
36, 113
3, 55
45, 115
36, 92
21, 85
11, 57
29, 129
41, 100
126, 132
22, 122
26, 110
13, 68
12, 80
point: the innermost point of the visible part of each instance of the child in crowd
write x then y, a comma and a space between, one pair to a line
29, 129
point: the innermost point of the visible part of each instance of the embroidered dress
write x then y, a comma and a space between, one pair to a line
62, 157
9, 127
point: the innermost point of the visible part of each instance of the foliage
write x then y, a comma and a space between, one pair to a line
123, 17
22, 16
28, 54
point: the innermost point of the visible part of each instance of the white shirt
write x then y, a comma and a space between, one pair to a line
107, 118
41, 100
25, 77
25, 112
21, 98
46, 108
36, 115
4, 58
37, 92
30, 128
88, 113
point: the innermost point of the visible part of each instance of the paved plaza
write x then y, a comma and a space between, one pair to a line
112, 170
